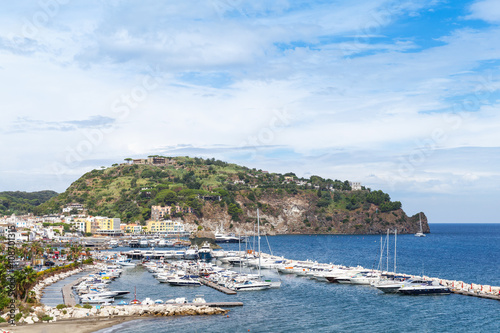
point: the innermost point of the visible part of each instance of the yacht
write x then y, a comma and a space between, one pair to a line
249, 285
184, 281
424, 288
191, 253
205, 252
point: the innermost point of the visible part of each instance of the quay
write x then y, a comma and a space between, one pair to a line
476, 294
217, 287
216, 304
67, 292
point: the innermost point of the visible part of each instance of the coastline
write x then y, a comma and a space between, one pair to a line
87, 325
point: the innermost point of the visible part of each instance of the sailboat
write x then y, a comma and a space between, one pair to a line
421, 232
252, 284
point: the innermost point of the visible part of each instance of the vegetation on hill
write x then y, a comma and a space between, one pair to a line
22, 202
192, 185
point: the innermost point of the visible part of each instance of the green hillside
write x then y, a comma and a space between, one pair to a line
22, 202
128, 191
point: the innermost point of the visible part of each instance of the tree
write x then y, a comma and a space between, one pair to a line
128, 159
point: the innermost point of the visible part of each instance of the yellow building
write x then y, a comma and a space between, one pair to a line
164, 226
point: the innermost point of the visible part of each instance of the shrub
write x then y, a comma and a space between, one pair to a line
87, 306
46, 318
2, 320
64, 311
18, 316
60, 306
78, 306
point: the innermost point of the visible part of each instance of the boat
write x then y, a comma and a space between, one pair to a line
143, 243
97, 300
184, 281
199, 299
424, 288
191, 253
221, 237
250, 285
133, 243
125, 263
393, 285
421, 232
148, 301
158, 301
135, 301
205, 252
122, 303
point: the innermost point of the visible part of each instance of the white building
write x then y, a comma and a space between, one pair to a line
355, 186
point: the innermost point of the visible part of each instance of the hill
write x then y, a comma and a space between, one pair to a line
22, 202
209, 192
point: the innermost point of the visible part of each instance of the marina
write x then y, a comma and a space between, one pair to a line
305, 284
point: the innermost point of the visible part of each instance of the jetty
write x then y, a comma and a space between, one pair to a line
67, 292
217, 287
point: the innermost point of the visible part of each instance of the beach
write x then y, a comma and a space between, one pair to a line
70, 326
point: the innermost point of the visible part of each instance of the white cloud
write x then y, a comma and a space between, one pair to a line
312, 86
486, 10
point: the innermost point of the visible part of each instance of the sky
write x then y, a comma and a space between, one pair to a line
400, 95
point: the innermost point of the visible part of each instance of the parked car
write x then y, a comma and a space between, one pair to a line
49, 263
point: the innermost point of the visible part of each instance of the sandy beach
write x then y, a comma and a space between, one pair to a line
70, 326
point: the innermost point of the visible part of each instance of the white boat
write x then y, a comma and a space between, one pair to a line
199, 299
98, 300
184, 281
125, 263
250, 285
191, 253
421, 232
393, 286
148, 301
365, 278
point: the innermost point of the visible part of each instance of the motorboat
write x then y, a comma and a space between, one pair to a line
148, 301
424, 288
250, 285
199, 299
365, 278
391, 286
191, 253
205, 252
184, 281
158, 301
97, 300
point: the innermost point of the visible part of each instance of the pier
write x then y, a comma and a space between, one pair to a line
67, 292
217, 287
217, 304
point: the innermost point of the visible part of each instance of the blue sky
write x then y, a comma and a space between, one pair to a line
400, 95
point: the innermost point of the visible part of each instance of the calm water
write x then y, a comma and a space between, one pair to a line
468, 252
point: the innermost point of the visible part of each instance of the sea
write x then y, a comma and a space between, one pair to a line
466, 252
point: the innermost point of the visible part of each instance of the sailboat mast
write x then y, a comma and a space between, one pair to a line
258, 236
395, 243
387, 268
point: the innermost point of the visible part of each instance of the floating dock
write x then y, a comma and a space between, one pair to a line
217, 287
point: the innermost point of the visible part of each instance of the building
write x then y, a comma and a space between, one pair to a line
72, 206
355, 186
159, 212
132, 228
165, 226
107, 226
